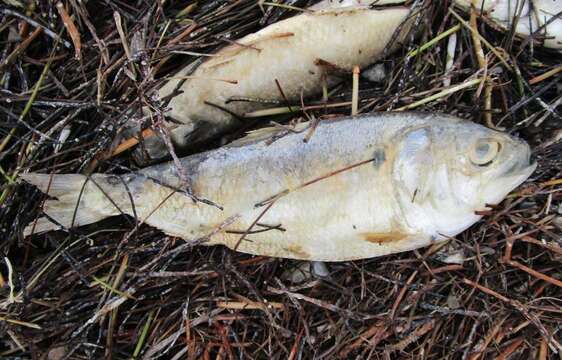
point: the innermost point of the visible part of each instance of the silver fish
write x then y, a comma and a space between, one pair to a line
293, 55
360, 187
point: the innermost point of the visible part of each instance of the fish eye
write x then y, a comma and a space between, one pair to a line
484, 151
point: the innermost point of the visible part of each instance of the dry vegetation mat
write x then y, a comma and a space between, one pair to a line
73, 72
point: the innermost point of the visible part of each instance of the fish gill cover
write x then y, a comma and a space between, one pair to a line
74, 73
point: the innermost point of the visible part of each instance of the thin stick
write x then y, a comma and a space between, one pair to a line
546, 75
251, 305
256, 220
535, 273
434, 41
71, 29
441, 94
484, 41
35, 24
285, 110
129, 143
313, 181
483, 65
355, 91
21, 48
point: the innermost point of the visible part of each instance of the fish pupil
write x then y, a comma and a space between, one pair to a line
482, 150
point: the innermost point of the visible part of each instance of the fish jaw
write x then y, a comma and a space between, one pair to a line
496, 195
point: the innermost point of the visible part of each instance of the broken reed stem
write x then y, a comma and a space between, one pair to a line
114, 313
546, 75
71, 29
21, 48
355, 91
143, 335
434, 41
106, 286
285, 109
285, 6
129, 143
481, 347
535, 273
478, 51
483, 65
239, 305
451, 47
20, 323
441, 94
484, 41
122, 36
551, 182
233, 82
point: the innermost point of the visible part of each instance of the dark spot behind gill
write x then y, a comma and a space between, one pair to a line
379, 157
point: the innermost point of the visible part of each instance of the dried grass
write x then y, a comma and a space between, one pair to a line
71, 73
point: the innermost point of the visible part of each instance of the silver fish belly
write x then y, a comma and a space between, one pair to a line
361, 187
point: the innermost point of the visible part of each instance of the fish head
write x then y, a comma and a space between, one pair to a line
445, 173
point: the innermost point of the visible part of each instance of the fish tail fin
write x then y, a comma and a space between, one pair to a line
77, 200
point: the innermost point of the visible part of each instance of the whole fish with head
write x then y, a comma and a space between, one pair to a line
360, 187
282, 62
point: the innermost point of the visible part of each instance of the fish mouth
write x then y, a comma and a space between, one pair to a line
506, 181
524, 173
519, 167
522, 168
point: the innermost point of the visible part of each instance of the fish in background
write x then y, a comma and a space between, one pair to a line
360, 187
279, 63
542, 18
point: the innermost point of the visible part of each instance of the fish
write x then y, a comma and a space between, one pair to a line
359, 187
540, 18
282, 62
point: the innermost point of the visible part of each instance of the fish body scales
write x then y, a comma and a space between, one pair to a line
360, 187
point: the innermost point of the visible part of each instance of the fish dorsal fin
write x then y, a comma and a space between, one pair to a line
266, 133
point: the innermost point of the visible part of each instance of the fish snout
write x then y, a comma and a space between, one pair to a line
517, 158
